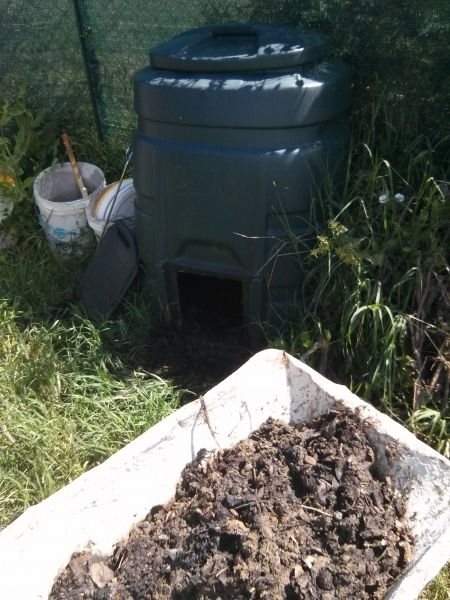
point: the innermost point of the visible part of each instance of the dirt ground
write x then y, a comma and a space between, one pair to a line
195, 357
290, 513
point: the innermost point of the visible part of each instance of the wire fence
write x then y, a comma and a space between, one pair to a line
77, 58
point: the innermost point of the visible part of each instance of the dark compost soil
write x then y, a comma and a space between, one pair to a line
194, 357
294, 513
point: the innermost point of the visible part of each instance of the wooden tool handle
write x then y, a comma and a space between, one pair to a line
73, 162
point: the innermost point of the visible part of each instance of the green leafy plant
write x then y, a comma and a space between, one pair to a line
27, 144
378, 279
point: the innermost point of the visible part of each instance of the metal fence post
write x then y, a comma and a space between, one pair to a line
88, 53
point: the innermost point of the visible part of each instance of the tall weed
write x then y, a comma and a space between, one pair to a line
376, 300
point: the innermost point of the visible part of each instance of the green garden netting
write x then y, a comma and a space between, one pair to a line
77, 57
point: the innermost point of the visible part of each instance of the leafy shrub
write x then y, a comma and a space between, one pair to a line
27, 144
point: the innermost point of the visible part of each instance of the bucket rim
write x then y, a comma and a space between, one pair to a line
62, 206
104, 197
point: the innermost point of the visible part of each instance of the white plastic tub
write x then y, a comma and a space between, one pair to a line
7, 239
6, 204
5, 208
62, 210
100, 507
104, 206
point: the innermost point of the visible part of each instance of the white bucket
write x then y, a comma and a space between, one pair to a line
7, 239
6, 203
5, 208
100, 207
62, 210
99, 508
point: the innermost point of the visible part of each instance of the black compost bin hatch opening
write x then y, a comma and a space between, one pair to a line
210, 301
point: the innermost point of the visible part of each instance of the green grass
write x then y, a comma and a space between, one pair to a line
439, 588
69, 397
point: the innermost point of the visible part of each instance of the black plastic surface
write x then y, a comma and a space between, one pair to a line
229, 164
239, 47
110, 272
311, 94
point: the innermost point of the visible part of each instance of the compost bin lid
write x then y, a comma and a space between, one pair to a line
110, 273
239, 47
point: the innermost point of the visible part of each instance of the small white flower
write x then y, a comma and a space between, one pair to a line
399, 197
383, 199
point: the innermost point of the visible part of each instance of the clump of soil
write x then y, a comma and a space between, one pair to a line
293, 513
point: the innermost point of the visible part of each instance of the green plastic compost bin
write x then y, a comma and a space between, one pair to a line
238, 128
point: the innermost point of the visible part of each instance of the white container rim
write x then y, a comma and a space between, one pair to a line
66, 205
